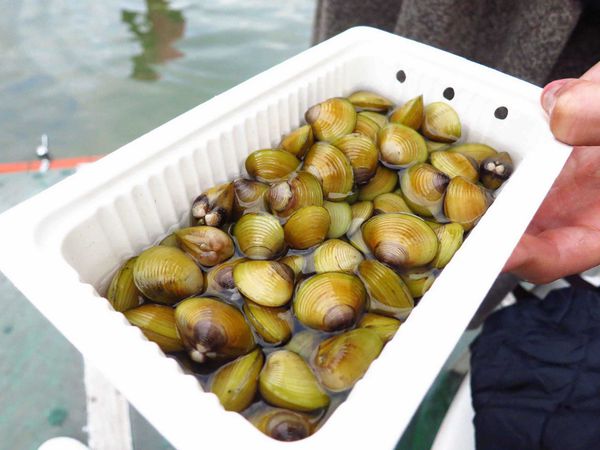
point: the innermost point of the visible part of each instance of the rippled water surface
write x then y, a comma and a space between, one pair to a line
94, 75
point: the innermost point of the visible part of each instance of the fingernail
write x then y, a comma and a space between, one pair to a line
549, 94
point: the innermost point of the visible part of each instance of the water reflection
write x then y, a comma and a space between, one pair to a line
157, 30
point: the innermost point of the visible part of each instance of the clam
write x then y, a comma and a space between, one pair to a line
212, 330
336, 256
331, 119
441, 123
409, 114
219, 280
340, 215
304, 343
332, 168
366, 126
207, 245
401, 146
465, 202
478, 152
303, 189
455, 164
298, 141
362, 154
297, 263
167, 275
259, 236
250, 196
282, 424
495, 170
384, 326
169, 241
307, 227
288, 382
361, 211
450, 238
329, 301
433, 146
214, 206
400, 240
271, 165
380, 119
384, 180
236, 382
356, 239
419, 280
388, 295
122, 292
268, 283
342, 360
274, 325
367, 100
157, 322
423, 188
390, 203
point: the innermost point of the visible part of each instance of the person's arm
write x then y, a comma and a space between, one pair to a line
564, 236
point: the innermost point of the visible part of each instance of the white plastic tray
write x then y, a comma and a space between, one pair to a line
61, 247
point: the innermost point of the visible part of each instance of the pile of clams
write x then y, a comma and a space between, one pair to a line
289, 281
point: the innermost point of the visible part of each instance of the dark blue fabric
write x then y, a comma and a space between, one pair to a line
535, 374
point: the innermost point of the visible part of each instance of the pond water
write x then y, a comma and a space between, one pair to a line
95, 75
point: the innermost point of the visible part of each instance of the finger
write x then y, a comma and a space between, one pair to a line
555, 253
592, 74
574, 110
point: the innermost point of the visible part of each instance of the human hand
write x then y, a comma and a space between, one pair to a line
564, 236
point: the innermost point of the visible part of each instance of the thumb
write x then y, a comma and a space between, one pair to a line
574, 109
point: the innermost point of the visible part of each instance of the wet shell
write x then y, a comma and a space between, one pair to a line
212, 330
367, 100
332, 168
236, 383
478, 152
390, 203
295, 262
250, 196
423, 188
271, 165
340, 214
329, 301
465, 202
380, 119
122, 292
450, 238
419, 280
207, 245
259, 236
268, 283
303, 189
336, 256
366, 126
361, 212
384, 326
157, 322
219, 280
388, 295
433, 146
287, 381
331, 119
362, 154
410, 114
400, 240
214, 206
298, 141
304, 343
495, 170
167, 275
282, 424
342, 360
401, 146
455, 164
307, 227
441, 123
384, 180
274, 325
